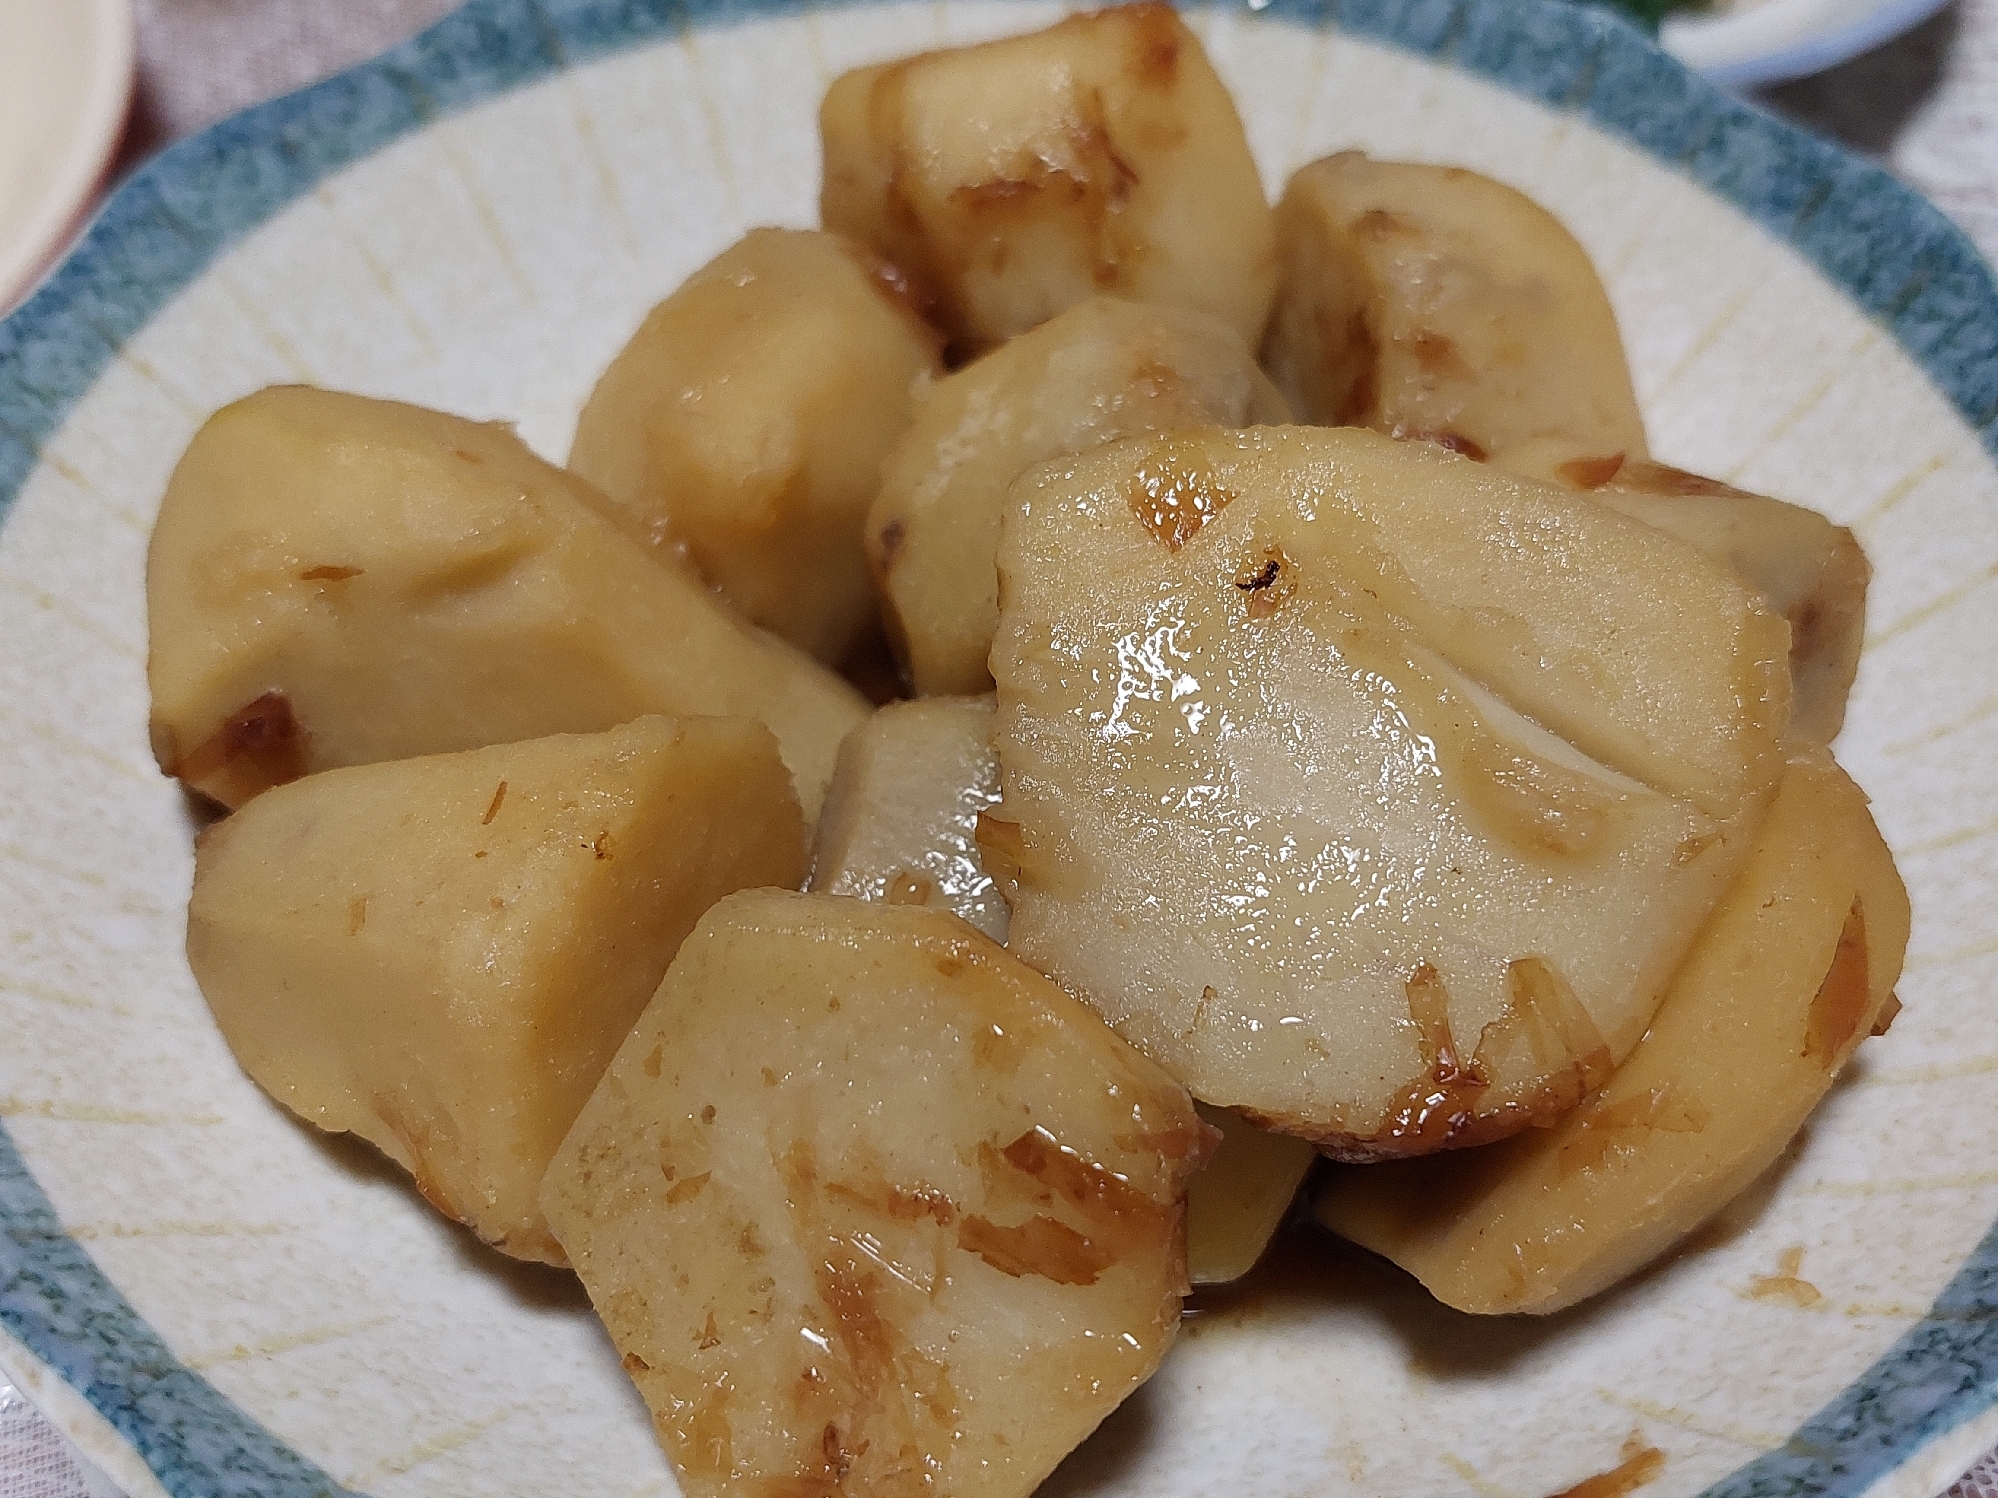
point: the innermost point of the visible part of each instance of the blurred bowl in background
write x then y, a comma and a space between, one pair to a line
65, 86
1768, 41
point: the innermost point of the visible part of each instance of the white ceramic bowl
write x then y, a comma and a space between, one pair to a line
1767, 41
65, 87
216, 1301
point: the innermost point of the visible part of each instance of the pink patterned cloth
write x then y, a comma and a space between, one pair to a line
1981, 1481
1926, 105
201, 60
35, 1461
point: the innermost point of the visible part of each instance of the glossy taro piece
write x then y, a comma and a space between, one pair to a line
335, 581
1102, 369
1374, 793
1794, 969
1017, 178
741, 430
1435, 303
442, 954
871, 1207
901, 816
1810, 571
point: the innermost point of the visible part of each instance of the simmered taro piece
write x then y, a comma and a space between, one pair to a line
901, 816
1792, 972
1016, 178
441, 955
1372, 792
1103, 369
1807, 569
336, 581
742, 429
871, 1208
1432, 302
1235, 1206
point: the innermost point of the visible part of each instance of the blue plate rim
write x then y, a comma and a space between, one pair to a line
1897, 258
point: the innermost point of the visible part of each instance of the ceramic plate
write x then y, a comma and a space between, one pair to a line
216, 1301
1765, 41
65, 82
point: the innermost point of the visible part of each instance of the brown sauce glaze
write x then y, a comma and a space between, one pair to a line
1590, 473
873, 1413
1535, 805
707, 1441
1191, 1145
1544, 1039
1890, 1010
851, 1294
1174, 497
1359, 350
1003, 1182
1270, 582
883, 1386
1378, 223
907, 887
688, 1189
1621, 1126
1643, 477
1449, 441
899, 1203
1435, 353
1838, 1010
1642, 1463
1154, 56
1438, 1109
1082, 1182
888, 543
912, 301
997, 1048
1544, 1014
1002, 848
1041, 1246
1079, 174
1787, 1283
260, 746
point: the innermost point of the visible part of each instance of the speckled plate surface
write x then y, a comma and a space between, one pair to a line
216, 1302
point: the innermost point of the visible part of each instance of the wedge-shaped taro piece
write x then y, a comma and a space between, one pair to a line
870, 1207
901, 816
442, 954
1372, 792
1795, 968
1014, 179
336, 581
1432, 302
1101, 370
1807, 569
744, 425
1235, 1206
